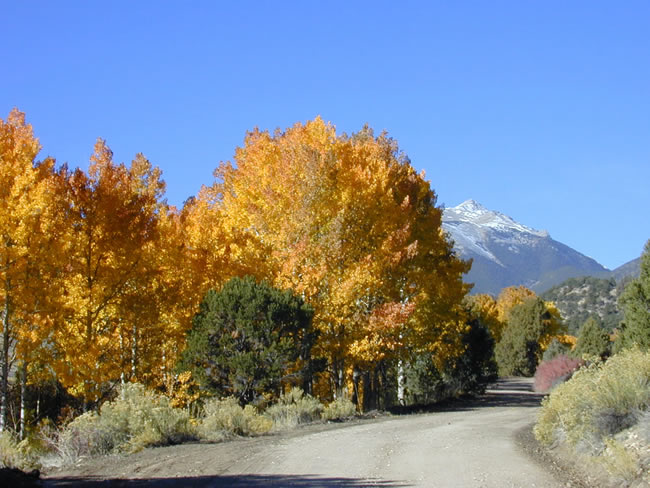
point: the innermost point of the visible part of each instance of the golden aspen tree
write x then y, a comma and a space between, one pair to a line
112, 223
485, 307
29, 248
511, 297
214, 252
350, 226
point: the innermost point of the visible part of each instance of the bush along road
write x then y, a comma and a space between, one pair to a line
468, 444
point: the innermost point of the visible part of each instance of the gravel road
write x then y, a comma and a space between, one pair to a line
470, 444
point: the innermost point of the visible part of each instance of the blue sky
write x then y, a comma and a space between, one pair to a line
537, 109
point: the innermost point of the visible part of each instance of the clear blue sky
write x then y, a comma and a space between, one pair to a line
538, 109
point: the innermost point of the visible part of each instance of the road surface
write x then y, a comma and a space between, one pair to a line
468, 445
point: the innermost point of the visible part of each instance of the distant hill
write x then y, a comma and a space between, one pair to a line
588, 296
507, 253
577, 299
629, 270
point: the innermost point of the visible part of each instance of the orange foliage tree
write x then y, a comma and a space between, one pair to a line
347, 223
112, 226
29, 249
485, 308
511, 297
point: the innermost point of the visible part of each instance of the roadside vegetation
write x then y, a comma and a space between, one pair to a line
601, 415
139, 418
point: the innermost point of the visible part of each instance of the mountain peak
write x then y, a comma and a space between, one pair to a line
471, 206
473, 212
506, 253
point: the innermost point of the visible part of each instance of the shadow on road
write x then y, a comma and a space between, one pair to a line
506, 392
238, 481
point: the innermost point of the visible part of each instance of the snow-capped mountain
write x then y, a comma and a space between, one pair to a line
507, 253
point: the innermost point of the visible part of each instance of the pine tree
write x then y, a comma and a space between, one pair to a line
635, 302
593, 340
530, 325
248, 339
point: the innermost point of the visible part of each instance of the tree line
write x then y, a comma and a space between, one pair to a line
313, 259
100, 277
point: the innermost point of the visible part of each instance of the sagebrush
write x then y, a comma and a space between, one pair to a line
294, 407
223, 418
137, 418
598, 408
341, 408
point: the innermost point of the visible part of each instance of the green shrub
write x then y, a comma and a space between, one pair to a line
340, 408
600, 401
293, 408
136, 419
225, 418
17, 454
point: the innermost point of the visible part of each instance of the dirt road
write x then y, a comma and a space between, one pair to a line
469, 445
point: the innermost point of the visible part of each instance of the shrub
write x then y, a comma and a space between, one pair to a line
225, 418
551, 373
293, 408
15, 454
600, 401
339, 409
136, 419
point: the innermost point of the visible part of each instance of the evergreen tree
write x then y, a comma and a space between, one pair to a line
248, 339
476, 367
592, 340
635, 303
520, 349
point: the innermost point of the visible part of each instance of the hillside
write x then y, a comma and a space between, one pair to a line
580, 298
628, 271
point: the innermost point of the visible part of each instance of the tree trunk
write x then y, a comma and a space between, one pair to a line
134, 352
4, 379
400, 382
369, 382
23, 399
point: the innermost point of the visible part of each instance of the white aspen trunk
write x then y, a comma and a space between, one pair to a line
134, 351
400, 382
122, 377
4, 380
23, 399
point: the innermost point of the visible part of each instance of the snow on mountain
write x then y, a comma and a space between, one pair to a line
506, 252
474, 213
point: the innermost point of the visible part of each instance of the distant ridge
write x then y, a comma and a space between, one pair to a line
506, 252
631, 269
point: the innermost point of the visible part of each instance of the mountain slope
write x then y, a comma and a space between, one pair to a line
507, 253
627, 271
577, 299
